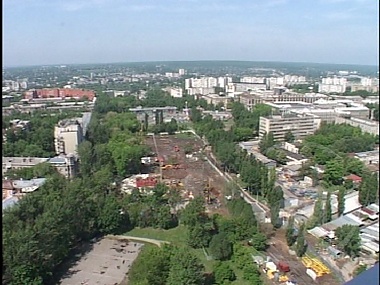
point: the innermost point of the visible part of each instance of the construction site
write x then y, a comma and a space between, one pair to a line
282, 266
179, 162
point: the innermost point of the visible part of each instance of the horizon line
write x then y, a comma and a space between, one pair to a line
200, 60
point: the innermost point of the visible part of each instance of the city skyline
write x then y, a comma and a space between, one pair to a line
45, 32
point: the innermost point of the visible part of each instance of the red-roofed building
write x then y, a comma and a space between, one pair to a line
354, 178
60, 93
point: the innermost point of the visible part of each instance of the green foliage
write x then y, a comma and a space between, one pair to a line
290, 236
199, 236
334, 140
40, 170
289, 137
301, 245
349, 239
194, 213
360, 269
318, 213
334, 172
243, 260
341, 200
220, 247
368, 189
185, 269
327, 209
151, 266
266, 142
223, 273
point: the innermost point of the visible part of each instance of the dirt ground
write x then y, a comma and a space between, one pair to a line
104, 262
194, 172
279, 251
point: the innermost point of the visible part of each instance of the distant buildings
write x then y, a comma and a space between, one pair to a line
332, 85
175, 92
60, 93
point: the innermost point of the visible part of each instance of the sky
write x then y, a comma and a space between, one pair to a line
43, 32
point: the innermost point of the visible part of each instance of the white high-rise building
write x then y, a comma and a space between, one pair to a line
68, 134
181, 72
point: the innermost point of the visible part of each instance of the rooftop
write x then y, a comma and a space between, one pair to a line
368, 277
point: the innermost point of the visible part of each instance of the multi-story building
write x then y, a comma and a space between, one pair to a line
65, 165
332, 85
174, 92
60, 92
215, 99
68, 134
300, 125
250, 99
14, 163
155, 115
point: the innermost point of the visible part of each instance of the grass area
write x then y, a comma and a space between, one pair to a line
184, 135
176, 235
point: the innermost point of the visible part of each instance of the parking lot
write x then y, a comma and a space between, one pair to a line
103, 262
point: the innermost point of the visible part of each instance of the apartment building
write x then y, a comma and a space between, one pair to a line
332, 85
301, 125
155, 115
67, 165
14, 163
216, 99
174, 92
68, 134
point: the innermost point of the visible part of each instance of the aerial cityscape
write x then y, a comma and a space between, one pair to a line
148, 147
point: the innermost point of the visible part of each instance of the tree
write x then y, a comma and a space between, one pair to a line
111, 216
220, 247
327, 210
341, 200
301, 245
334, 172
194, 212
348, 239
290, 236
274, 214
289, 137
223, 272
258, 241
151, 266
185, 268
368, 189
198, 236
318, 215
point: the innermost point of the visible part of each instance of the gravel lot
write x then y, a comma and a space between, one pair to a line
105, 262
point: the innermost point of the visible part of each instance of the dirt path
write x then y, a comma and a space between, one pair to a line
132, 238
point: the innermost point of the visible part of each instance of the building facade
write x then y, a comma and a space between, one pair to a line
300, 125
68, 134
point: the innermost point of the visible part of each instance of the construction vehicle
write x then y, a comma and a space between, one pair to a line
167, 166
